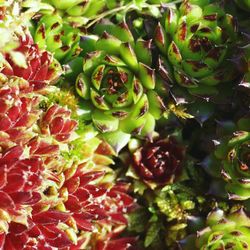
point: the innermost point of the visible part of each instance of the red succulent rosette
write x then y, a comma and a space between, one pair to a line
22, 173
58, 123
159, 161
98, 204
41, 68
19, 182
18, 113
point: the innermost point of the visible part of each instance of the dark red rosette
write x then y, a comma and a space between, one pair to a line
159, 161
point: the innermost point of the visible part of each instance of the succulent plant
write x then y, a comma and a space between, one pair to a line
96, 202
233, 155
159, 162
55, 35
57, 122
197, 40
11, 17
96, 151
119, 86
39, 67
229, 163
43, 192
55, 189
25, 158
222, 231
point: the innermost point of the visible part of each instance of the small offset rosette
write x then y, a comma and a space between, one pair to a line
235, 156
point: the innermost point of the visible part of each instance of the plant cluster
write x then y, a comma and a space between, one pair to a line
124, 124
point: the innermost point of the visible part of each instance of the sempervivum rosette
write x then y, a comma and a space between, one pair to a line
230, 160
26, 157
39, 68
160, 173
49, 198
222, 231
18, 113
25, 152
160, 161
55, 35
117, 84
233, 154
97, 203
197, 39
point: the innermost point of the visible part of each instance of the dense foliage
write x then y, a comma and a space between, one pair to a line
124, 124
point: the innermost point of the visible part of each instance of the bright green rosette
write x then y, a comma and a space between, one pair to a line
229, 164
57, 36
222, 231
117, 85
197, 38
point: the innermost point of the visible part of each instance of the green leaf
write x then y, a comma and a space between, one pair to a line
117, 140
152, 233
104, 123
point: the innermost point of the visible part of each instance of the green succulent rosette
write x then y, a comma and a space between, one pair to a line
230, 161
58, 37
197, 39
234, 155
243, 4
222, 231
117, 86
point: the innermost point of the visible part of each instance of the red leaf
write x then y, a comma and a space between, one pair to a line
69, 125
82, 223
56, 125
128, 243
82, 194
50, 113
50, 217
13, 113
72, 184
73, 204
3, 106
5, 201
118, 217
5, 123
15, 182
90, 176
47, 150
16, 228
3, 177
2, 240
25, 198
13, 154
